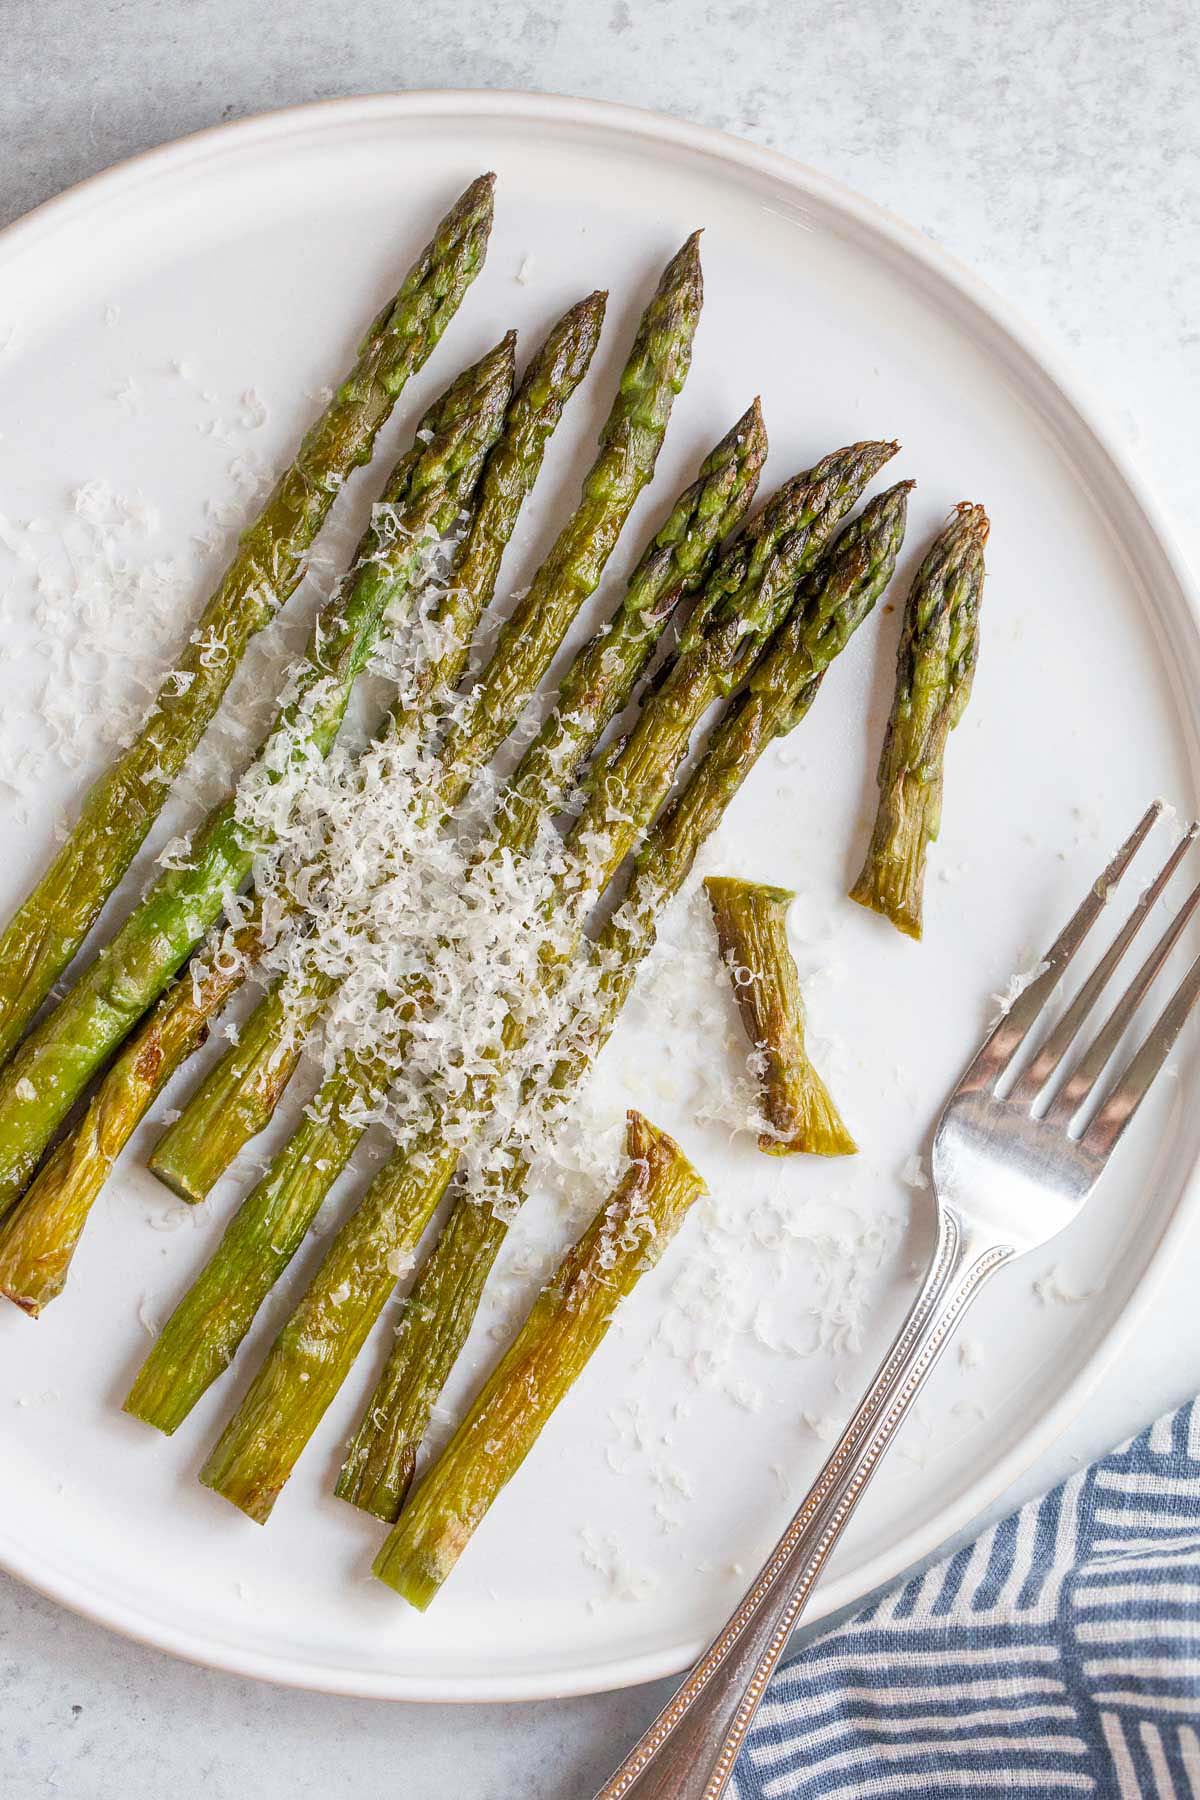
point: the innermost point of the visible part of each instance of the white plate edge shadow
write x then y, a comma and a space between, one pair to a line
1042, 369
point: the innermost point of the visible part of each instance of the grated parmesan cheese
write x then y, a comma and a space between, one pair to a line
1049, 1290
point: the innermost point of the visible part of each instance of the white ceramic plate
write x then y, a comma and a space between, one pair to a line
140, 311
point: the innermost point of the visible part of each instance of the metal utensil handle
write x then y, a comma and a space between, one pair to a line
689, 1751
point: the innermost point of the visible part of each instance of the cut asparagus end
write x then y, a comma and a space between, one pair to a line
814, 1126
568, 1322
892, 882
417, 1575
376, 1477
38, 1241
238, 1096
751, 925
185, 1183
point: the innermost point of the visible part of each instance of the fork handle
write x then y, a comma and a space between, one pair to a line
689, 1751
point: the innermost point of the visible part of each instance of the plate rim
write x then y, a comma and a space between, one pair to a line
664, 131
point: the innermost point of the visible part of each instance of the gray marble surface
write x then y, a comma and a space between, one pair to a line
1054, 148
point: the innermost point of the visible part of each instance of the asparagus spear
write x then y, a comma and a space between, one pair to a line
568, 1322
52, 921
751, 924
935, 666
37, 1245
437, 1317
423, 497
241, 1094
203, 1333
317, 1346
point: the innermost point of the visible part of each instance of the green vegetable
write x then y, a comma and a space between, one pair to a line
240, 1094
939, 647
317, 1346
438, 1315
51, 923
751, 923
568, 1322
203, 1333
423, 498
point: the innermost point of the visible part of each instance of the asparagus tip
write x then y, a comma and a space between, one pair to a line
752, 424
973, 520
686, 261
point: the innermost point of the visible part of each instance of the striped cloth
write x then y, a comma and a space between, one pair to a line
1057, 1655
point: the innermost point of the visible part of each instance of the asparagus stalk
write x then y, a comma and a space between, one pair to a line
241, 1091
52, 921
379, 1466
203, 1333
318, 1344
566, 1326
751, 925
935, 666
38, 1244
423, 498
241, 1094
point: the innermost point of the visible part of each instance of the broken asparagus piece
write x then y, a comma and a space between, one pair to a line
751, 924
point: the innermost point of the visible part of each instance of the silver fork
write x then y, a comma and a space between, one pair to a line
1008, 1176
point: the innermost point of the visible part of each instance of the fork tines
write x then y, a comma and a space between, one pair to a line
1083, 1081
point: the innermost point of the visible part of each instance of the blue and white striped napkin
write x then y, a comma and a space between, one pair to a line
1058, 1654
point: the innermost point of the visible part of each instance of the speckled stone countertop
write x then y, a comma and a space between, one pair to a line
1056, 150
